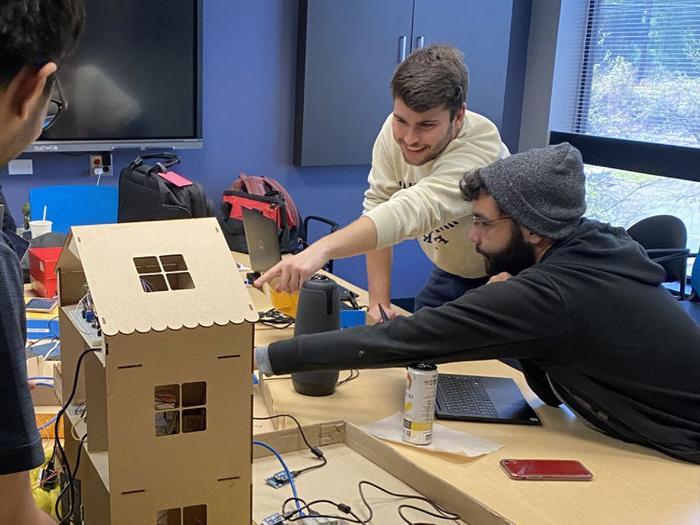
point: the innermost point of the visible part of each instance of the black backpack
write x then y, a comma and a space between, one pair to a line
270, 199
154, 193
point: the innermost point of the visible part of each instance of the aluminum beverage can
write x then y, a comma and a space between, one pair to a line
419, 403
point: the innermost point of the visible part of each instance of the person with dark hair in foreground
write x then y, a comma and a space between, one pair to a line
576, 301
35, 36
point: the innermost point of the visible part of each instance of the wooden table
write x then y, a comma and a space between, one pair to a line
632, 484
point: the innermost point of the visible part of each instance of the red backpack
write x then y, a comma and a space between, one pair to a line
270, 198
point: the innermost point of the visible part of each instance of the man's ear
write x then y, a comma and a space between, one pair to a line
459, 116
532, 238
27, 88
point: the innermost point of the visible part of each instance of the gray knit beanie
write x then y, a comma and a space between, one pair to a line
542, 189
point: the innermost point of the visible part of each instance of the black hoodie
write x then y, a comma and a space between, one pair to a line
590, 318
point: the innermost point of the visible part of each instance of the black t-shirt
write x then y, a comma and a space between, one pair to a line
20, 443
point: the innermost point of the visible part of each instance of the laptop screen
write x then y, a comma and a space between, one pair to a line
262, 240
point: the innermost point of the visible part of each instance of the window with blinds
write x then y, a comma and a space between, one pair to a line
640, 71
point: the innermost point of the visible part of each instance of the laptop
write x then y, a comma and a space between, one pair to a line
264, 246
262, 240
482, 398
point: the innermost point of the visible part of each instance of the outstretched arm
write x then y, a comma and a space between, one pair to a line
522, 317
379, 283
289, 274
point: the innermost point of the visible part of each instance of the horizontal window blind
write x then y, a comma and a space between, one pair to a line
640, 71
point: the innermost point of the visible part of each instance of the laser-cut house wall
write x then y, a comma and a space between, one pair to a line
168, 392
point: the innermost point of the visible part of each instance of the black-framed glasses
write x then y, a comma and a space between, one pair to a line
56, 105
483, 222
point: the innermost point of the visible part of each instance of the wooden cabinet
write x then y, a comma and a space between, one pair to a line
349, 49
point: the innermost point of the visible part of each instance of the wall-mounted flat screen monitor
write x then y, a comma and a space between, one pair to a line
134, 80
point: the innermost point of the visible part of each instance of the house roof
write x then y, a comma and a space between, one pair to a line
158, 275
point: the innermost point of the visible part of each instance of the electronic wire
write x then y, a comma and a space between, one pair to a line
275, 319
314, 450
80, 450
296, 421
439, 511
48, 385
354, 374
59, 447
286, 470
47, 424
444, 513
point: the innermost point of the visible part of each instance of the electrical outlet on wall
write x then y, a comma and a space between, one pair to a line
101, 164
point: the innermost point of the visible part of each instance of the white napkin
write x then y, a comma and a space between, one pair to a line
444, 439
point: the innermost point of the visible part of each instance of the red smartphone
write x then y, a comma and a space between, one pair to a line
546, 469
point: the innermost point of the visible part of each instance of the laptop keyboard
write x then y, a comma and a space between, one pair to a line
462, 395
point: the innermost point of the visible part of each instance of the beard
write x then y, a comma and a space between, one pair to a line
434, 151
514, 258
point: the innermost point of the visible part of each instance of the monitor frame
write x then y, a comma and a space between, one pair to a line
196, 142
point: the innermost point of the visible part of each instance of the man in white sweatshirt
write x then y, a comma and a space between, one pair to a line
424, 148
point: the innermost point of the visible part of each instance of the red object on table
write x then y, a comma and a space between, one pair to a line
42, 270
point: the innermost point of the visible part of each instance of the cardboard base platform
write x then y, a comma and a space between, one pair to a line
354, 455
632, 484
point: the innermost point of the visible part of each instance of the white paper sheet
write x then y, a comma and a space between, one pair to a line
444, 439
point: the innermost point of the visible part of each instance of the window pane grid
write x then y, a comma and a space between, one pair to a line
623, 198
640, 77
180, 408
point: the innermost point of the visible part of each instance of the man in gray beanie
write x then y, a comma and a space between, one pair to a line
577, 302
541, 190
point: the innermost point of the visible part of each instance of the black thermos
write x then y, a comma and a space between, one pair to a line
318, 311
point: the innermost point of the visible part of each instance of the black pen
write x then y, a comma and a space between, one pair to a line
383, 313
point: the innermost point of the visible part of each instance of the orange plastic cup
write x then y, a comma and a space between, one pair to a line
283, 301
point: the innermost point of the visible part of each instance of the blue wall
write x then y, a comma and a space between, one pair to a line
249, 77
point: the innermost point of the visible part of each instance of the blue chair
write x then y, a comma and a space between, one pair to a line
74, 205
690, 289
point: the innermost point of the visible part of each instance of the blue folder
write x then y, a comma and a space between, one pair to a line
42, 328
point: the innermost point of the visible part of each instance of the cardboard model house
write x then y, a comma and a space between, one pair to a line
167, 394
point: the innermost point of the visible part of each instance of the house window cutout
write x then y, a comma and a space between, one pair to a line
153, 283
169, 517
163, 273
167, 397
194, 394
167, 423
180, 281
147, 265
194, 515
173, 263
171, 416
194, 420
